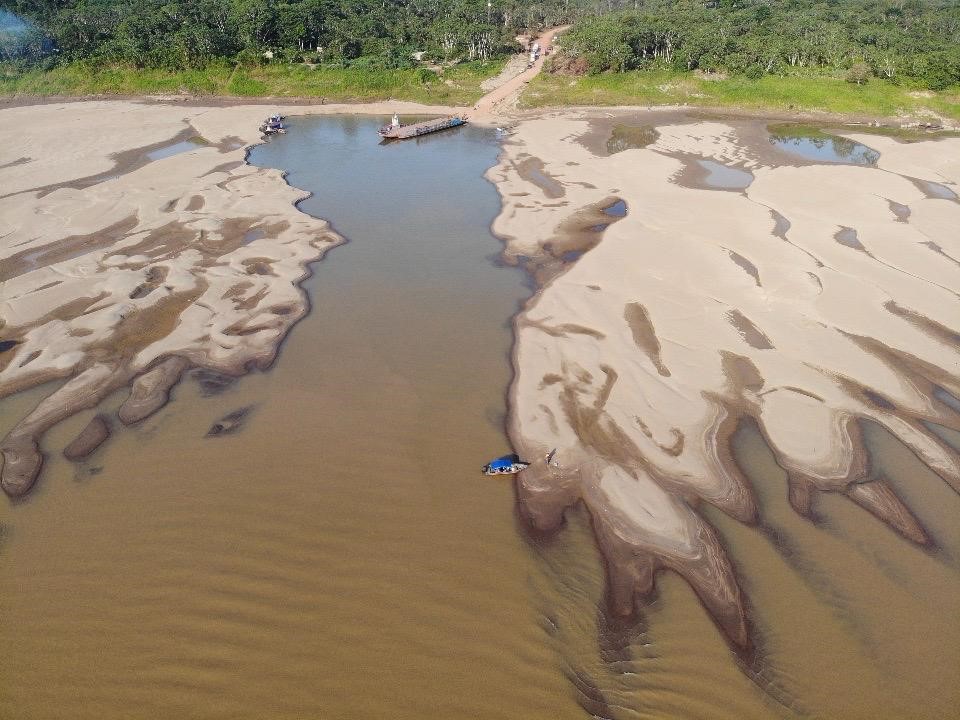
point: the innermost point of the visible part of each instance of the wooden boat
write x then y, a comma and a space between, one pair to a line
398, 131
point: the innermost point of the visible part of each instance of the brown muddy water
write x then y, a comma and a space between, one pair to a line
334, 552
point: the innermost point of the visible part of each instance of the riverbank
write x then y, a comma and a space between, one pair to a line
457, 85
814, 93
137, 243
464, 85
694, 275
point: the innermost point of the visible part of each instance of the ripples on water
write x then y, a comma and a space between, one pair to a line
340, 555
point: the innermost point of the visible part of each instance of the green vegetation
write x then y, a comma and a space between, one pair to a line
871, 57
429, 50
459, 85
181, 34
808, 92
896, 40
874, 57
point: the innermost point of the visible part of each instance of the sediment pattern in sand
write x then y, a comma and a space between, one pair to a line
819, 296
121, 269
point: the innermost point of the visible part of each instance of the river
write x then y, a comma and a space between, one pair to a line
340, 555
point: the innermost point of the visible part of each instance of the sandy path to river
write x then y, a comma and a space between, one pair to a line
502, 98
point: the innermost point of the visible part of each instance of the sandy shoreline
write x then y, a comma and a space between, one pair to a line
814, 296
502, 113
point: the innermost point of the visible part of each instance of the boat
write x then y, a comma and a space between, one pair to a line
273, 125
506, 465
398, 131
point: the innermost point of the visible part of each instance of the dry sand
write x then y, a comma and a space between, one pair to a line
119, 270
819, 295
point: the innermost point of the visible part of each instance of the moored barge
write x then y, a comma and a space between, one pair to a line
398, 131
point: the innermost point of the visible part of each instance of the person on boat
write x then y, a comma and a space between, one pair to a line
395, 123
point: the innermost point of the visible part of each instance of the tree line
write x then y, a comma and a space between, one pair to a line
181, 34
897, 40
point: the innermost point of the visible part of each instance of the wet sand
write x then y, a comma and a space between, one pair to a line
745, 283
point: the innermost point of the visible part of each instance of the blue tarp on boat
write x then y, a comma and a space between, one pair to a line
508, 464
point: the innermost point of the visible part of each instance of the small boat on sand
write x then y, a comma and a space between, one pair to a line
273, 125
506, 465
398, 131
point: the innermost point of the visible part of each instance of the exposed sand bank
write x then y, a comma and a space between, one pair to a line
818, 295
122, 264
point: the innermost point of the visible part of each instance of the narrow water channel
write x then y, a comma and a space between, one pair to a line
338, 555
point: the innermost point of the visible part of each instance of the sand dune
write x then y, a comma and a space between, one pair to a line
808, 301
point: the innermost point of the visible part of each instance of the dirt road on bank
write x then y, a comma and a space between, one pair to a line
506, 95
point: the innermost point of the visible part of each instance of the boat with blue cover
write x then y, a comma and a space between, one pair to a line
506, 465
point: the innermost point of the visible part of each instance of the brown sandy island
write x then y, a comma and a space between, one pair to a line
805, 295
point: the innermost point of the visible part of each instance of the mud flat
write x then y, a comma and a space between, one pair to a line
808, 297
135, 244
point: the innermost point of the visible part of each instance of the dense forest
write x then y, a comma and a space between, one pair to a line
912, 41
192, 33
897, 40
